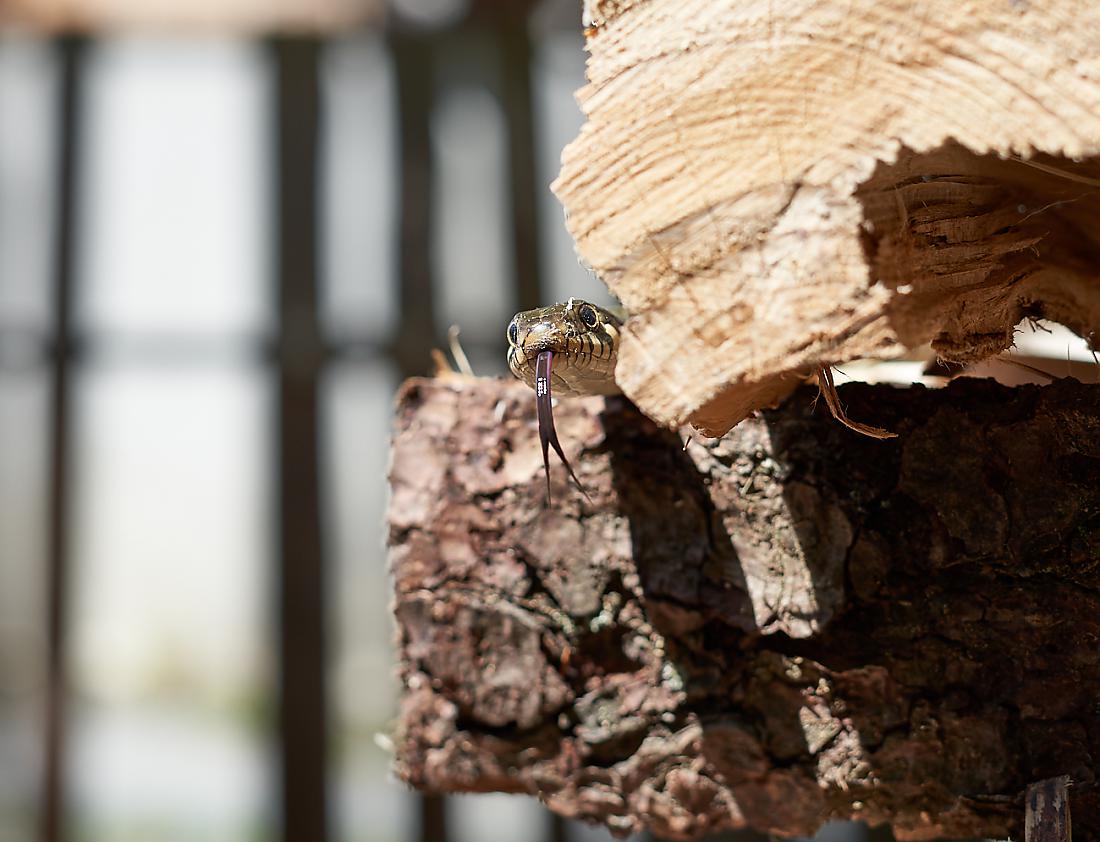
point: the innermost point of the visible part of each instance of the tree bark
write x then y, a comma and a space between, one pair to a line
768, 186
790, 624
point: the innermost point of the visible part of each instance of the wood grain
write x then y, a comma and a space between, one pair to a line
770, 186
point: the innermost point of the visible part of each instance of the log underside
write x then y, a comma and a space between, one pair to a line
789, 624
770, 186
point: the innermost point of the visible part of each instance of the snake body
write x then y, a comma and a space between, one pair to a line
568, 349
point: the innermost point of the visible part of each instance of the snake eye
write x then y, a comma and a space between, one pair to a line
513, 333
588, 316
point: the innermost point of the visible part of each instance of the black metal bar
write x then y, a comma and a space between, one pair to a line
414, 68
513, 38
414, 62
512, 33
433, 818
53, 796
301, 580
556, 828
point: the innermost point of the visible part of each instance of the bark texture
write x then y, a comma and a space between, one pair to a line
767, 186
789, 624
1048, 815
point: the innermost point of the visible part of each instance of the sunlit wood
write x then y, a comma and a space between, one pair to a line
772, 186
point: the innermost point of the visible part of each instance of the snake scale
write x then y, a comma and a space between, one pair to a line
567, 349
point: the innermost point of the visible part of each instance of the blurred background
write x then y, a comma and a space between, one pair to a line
226, 233
227, 230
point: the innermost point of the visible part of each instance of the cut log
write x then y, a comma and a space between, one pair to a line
791, 624
771, 186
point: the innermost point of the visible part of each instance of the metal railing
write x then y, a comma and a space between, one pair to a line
299, 352
297, 356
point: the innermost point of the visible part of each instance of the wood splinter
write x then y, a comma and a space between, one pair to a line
832, 400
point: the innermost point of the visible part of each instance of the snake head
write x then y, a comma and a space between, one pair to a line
567, 349
584, 339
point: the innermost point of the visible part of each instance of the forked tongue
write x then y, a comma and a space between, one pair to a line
544, 410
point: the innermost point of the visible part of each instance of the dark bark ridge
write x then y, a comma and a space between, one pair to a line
789, 624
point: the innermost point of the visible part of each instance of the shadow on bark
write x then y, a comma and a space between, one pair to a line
788, 625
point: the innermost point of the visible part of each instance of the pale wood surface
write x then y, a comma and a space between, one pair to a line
767, 186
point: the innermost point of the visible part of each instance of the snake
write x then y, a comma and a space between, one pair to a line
566, 349
571, 349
